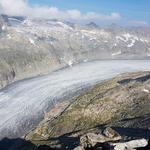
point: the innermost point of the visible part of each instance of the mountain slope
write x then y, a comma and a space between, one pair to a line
30, 47
120, 102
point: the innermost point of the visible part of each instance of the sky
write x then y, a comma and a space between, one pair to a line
124, 12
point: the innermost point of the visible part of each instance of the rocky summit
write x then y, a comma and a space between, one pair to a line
30, 47
111, 115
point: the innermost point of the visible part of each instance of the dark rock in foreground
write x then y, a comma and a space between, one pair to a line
108, 141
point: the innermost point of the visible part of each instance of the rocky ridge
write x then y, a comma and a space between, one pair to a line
122, 103
30, 47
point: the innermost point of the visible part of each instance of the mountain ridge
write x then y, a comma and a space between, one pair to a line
121, 102
30, 47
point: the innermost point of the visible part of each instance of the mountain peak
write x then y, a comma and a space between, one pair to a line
92, 25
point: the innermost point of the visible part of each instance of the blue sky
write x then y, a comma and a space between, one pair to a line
138, 10
130, 12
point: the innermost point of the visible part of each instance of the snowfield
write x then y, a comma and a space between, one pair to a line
22, 104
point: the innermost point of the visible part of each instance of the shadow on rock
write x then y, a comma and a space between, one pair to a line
20, 144
133, 132
67, 141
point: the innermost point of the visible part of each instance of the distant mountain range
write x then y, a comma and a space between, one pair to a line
33, 46
74, 42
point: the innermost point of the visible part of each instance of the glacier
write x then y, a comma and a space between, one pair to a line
23, 103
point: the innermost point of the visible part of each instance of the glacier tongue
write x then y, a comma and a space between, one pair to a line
23, 103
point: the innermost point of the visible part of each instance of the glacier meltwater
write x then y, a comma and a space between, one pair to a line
22, 104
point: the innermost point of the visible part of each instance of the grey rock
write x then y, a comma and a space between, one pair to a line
131, 144
79, 148
91, 139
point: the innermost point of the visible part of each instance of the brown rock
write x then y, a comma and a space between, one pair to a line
110, 133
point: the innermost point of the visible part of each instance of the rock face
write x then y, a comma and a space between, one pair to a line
30, 47
131, 144
19, 57
122, 102
99, 141
112, 134
91, 139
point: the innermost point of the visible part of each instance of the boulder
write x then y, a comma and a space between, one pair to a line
110, 133
91, 139
131, 144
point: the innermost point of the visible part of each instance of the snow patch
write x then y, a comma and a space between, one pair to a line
32, 41
120, 38
131, 44
146, 90
86, 31
83, 36
117, 53
102, 33
144, 40
3, 27
126, 37
70, 62
115, 44
94, 38
85, 60
64, 25
9, 36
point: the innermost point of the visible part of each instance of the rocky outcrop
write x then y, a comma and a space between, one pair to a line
112, 134
122, 102
87, 141
100, 141
90, 140
134, 144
